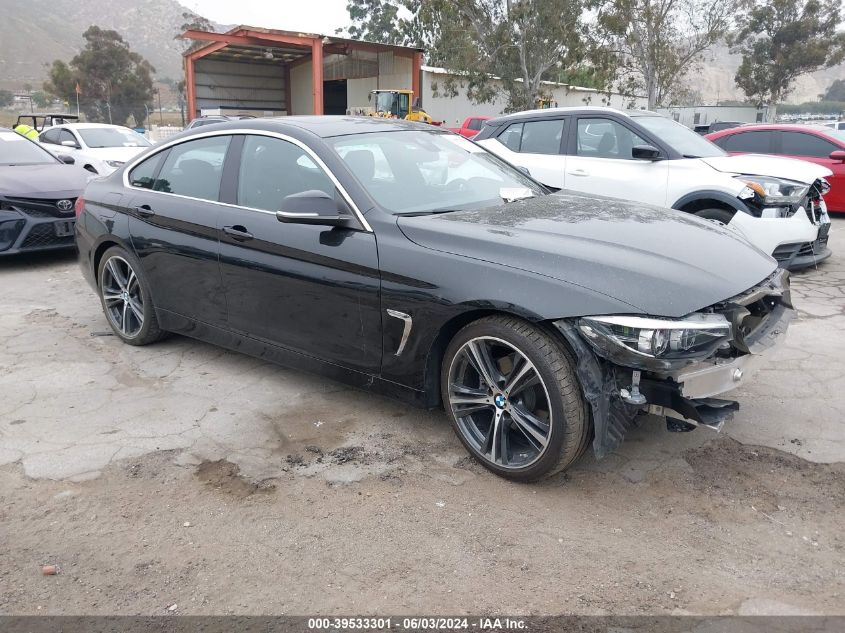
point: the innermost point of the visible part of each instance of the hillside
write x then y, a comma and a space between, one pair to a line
31, 38
715, 81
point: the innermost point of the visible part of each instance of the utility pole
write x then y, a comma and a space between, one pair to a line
158, 92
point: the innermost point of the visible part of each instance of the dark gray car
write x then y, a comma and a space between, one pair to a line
38, 195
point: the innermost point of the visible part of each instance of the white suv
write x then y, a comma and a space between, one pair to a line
774, 203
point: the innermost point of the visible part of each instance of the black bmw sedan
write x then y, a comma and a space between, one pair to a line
37, 196
408, 260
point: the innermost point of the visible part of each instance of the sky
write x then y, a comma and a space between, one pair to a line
313, 16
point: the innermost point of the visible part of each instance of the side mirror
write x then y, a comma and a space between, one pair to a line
312, 207
645, 152
417, 103
67, 160
838, 155
70, 144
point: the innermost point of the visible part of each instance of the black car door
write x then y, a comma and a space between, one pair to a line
174, 216
310, 289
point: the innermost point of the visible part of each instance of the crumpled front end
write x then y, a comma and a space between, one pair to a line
676, 368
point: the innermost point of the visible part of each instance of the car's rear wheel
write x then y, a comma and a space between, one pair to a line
720, 216
511, 392
126, 299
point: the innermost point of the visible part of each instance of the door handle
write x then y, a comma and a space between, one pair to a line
579, 172
238, 232
145, 211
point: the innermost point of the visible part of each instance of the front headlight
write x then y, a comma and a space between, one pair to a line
114, 163
775, 192
655, 344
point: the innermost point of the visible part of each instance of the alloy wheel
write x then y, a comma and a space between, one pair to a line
500, 402
122, 297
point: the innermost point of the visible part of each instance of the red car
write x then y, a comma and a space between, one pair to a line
471, 126
817, 144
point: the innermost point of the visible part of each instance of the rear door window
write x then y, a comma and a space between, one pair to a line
750, 142
51, 136
542, 137
143, 176
194, 168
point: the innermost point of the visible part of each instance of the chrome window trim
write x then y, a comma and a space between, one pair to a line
245, 131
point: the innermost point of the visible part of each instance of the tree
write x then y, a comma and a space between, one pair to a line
836, 91
6, 98
192, 22
656, 43
491, 46
115, 82
783, 39
41, 98
378, 21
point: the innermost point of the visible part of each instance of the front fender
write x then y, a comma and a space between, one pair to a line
711, 194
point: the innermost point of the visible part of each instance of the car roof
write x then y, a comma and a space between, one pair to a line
549, 112
777, 127
326, 126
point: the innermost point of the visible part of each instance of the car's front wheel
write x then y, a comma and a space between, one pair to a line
126, 299
719, 216
511, 392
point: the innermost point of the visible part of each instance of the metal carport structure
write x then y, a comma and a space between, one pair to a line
285, 71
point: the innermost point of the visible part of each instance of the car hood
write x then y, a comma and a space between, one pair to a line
762, 165
42, 181
122, 154
657, 261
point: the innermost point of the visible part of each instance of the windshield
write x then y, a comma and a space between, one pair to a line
112, 137
16, 150
419, 172
681, 139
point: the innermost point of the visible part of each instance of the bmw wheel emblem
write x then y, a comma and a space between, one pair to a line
64, 205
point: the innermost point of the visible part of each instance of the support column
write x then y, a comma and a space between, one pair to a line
416, 75
190, 88
288, 94
317, 75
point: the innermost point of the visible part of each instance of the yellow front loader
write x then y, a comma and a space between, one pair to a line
398, 104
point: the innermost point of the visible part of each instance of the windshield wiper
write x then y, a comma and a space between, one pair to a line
413, 214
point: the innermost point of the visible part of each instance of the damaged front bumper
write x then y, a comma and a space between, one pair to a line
619, 395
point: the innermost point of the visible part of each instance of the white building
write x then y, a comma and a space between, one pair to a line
692, 116
453, 110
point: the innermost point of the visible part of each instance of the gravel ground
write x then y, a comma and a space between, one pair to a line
182, 474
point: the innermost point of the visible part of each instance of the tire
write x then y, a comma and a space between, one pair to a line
541, 414
125, 298
720, 216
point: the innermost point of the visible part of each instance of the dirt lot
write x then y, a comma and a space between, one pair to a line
181, 474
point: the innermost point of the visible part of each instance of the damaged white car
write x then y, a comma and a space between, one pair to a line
776, 204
